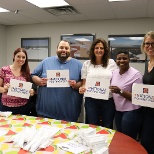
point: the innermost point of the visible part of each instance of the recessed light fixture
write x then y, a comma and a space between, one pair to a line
118, 0
48, 3
3, 10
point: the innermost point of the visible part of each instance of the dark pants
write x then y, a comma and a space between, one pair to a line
129, 122
98, 109
147, 134
23, 110
32, 101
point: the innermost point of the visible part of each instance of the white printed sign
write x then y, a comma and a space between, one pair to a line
73, 147
58, 78
97, 88
143, 95
19, 88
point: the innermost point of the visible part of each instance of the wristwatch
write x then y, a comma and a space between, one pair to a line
121, 91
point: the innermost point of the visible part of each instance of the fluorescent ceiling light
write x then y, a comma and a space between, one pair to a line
48, 3
3, 10
118, 0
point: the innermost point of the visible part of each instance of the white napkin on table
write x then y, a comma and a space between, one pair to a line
5, 114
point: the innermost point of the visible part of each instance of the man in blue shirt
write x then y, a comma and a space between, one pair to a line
62, 103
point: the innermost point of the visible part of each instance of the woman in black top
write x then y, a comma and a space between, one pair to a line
147, 134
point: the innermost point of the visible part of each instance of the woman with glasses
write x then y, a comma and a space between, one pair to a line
147, 134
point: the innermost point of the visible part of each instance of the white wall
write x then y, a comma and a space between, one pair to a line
102, 28
3, 44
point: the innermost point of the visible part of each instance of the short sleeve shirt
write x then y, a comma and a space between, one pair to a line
125, 82
90, 70
11, 101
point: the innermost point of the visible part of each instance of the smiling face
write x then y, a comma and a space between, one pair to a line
19, 58
149, 46
99, 50
122, 61
63, 50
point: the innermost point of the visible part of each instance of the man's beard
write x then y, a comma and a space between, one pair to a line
63, 58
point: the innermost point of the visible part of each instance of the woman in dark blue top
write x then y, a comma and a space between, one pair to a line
147, 134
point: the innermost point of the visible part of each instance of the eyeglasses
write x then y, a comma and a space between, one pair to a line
147, 44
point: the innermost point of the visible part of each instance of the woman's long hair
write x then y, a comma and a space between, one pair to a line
25, 71
106, 56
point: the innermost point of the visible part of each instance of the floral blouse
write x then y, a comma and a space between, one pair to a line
11, 101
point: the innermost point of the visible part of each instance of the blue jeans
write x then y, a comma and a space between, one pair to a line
147, 134
129, 122
98, 109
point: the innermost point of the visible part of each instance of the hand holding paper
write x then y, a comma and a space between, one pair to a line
19, 88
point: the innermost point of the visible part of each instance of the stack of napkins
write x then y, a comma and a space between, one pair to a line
5, 114
96, 142
32, 139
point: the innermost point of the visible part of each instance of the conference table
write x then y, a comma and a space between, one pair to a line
118, 143
123, 144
